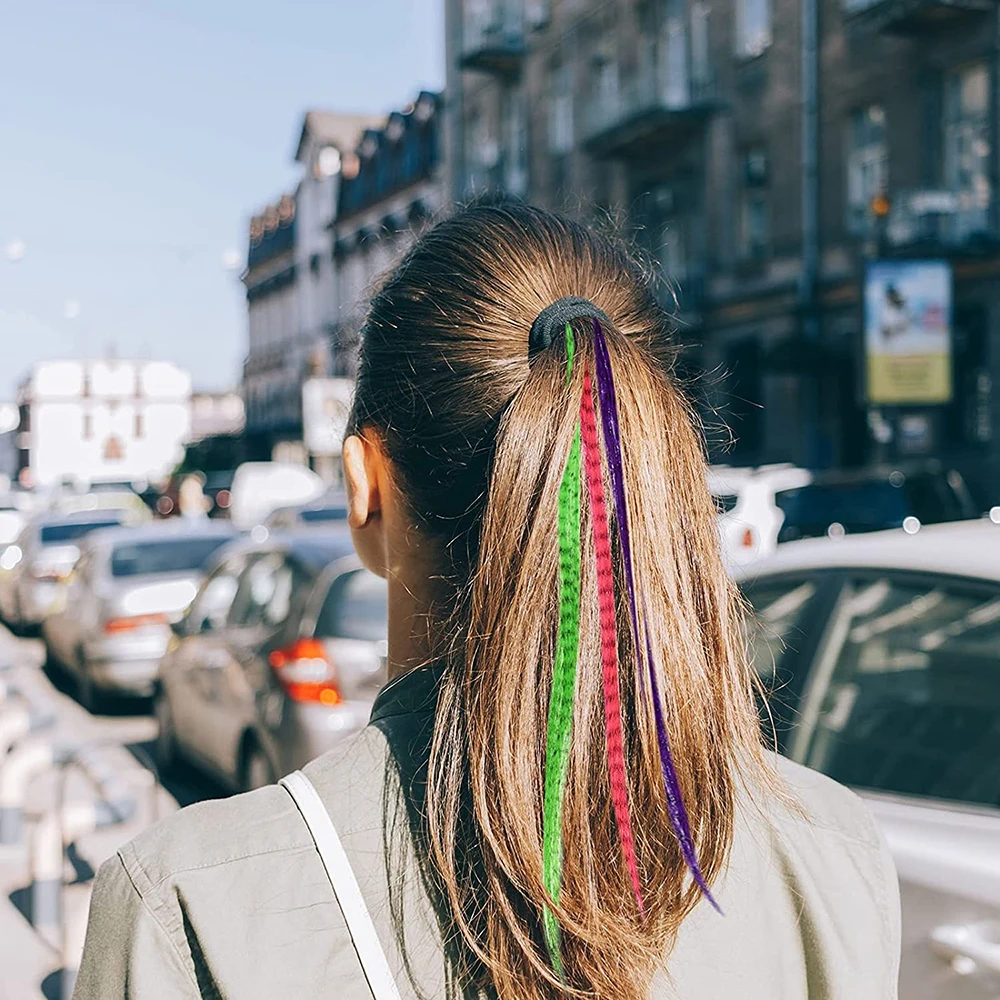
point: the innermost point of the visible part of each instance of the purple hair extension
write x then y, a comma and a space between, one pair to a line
613, 448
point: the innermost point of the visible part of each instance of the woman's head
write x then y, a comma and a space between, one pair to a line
460, 440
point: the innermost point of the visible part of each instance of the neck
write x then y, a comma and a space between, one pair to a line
411, 592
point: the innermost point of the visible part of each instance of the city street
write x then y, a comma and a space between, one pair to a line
32, 959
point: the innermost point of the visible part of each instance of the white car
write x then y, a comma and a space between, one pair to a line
262, 487
749, 517
883, 655
129, 585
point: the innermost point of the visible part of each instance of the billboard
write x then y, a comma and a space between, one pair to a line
326, 406
907, 326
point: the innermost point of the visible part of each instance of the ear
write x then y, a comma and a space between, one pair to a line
361, 477
366, 477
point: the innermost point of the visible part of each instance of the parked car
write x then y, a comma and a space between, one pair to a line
764, 507
261, 487
850, 502
12, 519
39, 562
278, 659
128, 587
322, 511
884, 655
749, 517
104, 497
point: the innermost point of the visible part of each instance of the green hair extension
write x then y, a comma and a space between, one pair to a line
560, 726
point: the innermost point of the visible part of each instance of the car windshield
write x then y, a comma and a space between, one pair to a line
177, 555
870, 505
52, 534
316, 514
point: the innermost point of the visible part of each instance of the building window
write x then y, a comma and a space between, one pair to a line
755, 221
561, 111
753, 27
515, 143
967, 148
867, 166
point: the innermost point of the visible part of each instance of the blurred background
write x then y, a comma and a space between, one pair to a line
195, 204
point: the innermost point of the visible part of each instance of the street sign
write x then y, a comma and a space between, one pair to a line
326, 406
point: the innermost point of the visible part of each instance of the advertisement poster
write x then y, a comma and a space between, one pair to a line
907, 317
326, 406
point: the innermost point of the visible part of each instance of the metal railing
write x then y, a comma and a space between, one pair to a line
493, 26
666, 86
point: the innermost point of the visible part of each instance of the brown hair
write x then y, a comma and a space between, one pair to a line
478, 435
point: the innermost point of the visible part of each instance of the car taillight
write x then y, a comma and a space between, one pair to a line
747, 540
305, 672
114, 626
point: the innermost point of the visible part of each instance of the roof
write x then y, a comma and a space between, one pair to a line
160, 531
961, 548
335, 129
315, 548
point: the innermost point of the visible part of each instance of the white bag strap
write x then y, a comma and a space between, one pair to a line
345, 886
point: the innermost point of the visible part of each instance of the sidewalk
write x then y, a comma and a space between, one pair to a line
29, 961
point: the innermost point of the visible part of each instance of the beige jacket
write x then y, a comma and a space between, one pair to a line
230, 899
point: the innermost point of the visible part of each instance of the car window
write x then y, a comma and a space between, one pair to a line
171, 555
725, 502
216, 597
53, 534
264, 596
775, 627
905, 692
354, 608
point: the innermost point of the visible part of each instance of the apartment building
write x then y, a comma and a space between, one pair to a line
763, 153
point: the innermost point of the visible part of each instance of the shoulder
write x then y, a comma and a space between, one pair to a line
249, 828
823, 804
214, 833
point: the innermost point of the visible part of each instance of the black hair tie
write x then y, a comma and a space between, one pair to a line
552, 320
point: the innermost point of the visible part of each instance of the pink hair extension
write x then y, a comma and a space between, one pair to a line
609, 633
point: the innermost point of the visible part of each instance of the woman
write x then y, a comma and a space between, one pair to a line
564, 778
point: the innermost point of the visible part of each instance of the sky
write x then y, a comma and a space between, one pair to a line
136, 139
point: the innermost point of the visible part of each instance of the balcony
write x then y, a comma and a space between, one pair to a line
493, 38
653, 108
952, 223
910, 17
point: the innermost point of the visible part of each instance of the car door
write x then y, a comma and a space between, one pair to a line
261, 605
61, 628
902, 703
188, 672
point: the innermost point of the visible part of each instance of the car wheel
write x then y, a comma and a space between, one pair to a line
257, 769
166, 739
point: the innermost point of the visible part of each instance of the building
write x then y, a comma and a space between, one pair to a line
392, 184
762, 152
87, 421
216, 413
290, 287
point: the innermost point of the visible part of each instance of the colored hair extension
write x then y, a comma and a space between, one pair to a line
613, 449
609, 634
560, 727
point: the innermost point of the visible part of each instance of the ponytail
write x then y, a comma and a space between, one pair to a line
595, 714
